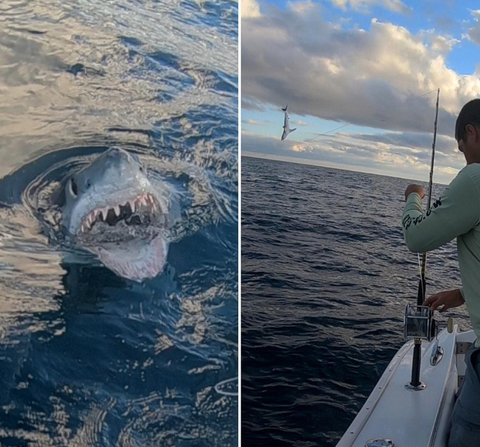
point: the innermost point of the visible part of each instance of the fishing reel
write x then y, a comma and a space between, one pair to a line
419, 323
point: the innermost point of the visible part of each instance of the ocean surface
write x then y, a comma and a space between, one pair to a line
325, 280
88, 358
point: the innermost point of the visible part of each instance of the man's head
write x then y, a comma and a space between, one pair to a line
467, 131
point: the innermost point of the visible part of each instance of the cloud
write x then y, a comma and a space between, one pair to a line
442, 14
418, 147
414, 141
250, 9
439, 44
300, 123
445, 23
448, 171
372, 78
300, 148
252, 122
398, 154
363, 5
252, 105
302, 7
474, 32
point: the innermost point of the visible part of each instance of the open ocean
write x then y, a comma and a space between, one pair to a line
89, 359
325, 280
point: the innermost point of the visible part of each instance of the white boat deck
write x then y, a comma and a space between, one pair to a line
412, 418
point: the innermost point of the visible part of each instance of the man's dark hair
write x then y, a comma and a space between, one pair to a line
470, 114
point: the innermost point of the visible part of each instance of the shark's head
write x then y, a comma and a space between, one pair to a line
113, 210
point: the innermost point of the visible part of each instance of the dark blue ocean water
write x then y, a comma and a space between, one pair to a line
325, 280
88, 358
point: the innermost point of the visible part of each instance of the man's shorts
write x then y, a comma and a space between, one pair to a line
465, 421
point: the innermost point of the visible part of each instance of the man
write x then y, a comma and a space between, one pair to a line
456, 215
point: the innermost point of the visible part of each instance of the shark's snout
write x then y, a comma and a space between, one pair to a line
119, 160
115, 154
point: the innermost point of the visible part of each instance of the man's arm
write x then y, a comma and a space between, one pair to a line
456, 213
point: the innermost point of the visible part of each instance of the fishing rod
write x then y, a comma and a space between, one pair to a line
415, 383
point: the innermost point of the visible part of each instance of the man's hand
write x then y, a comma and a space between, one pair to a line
415, 188
448, 299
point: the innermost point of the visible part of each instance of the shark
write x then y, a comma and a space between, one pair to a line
286, 124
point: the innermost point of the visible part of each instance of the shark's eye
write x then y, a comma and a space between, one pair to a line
88, 184
74, 187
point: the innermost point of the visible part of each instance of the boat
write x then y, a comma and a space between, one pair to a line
397, 414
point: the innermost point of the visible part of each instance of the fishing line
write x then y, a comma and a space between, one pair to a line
350, 124
325, 133
425, 94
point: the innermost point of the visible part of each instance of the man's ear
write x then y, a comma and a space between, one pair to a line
471, 132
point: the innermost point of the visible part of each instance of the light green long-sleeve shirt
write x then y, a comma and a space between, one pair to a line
455, 215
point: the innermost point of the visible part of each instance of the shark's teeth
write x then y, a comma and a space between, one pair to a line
147, 201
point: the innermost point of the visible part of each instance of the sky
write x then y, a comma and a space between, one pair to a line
371, 67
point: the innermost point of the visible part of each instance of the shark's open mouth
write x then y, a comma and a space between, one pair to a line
128, 237
140, 211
